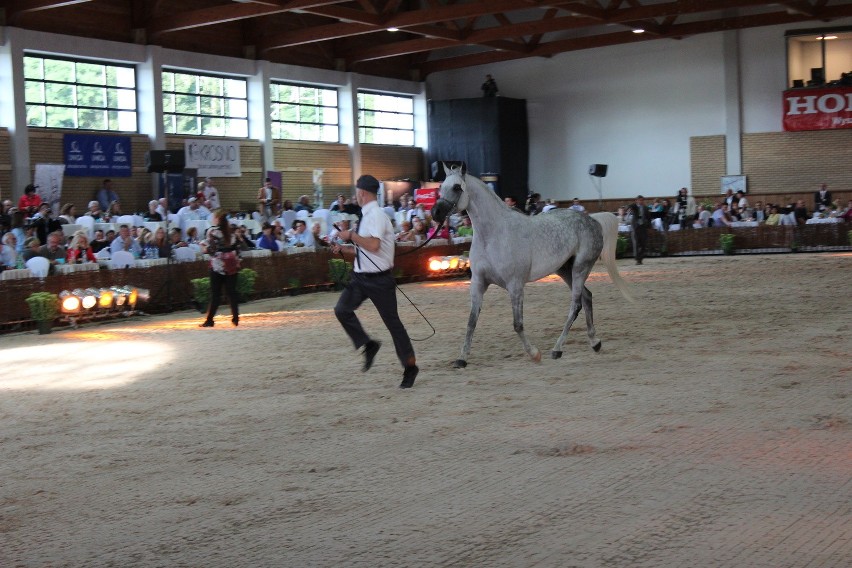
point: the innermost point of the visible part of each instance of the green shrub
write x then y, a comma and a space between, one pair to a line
849, 236
44, 306
339, 272
245, 284
727, 241
201, 291
621, 246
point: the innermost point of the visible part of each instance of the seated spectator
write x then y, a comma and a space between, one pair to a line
125, 241
193, 210
21, 229
95, 211
8, 252
721, 216
242, 239
465, 229
175, 240
418, 227
405, 234
267, 240
534, 204
299, 236
758, 213
44, 222
53, 250
31, 248
68, 214
339, 204
702, 218
279, 234
342, 225
287, 205
845, 213
548, 205
192, 237
80, 251
577, 206
163, 207
438, 231
320, 240
161, 243
113, 212
774, 216
153, 215
304, 204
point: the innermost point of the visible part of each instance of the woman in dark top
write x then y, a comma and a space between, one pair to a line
224, 266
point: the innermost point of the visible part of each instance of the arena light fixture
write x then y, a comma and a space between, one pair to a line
106, 298
69, 302
90, 298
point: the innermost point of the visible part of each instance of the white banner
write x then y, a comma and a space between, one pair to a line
48, 180
213, 158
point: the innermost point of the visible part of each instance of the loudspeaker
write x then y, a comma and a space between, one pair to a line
438, 173
159, 161
598, 170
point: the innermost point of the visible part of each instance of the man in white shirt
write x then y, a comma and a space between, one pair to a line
194, 211
372, 278
577, 206
211, 195
125, 241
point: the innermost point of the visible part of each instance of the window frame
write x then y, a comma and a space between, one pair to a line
300, 105
201, 119
75, 85
363, 129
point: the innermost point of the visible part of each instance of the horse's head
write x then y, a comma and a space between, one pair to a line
452, 195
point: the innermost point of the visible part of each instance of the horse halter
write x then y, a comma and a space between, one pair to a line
458, 189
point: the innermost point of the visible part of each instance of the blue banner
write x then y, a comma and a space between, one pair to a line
95, 155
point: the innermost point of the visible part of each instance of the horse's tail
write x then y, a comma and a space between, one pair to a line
609, 224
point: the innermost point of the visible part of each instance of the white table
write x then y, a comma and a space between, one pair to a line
71, 268
16, 273
147, 262
255, 253
741, 224
824, 220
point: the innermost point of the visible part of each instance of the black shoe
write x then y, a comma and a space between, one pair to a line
206, 324
370, 350
408, 376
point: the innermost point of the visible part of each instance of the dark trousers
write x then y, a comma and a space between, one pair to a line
216, 282
381, 290
640, 241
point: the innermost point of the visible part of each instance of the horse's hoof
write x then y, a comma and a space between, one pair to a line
556, 354
597, 346
459, 364
536, 356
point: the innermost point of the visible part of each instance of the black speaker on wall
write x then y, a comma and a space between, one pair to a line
160, 161
598, 170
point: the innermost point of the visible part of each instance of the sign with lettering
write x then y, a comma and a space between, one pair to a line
818, 109
96, 155
213, 158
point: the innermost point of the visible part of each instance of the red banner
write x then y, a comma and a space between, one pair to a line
426, 196
818, 109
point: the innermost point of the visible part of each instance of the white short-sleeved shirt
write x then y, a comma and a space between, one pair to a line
375, 223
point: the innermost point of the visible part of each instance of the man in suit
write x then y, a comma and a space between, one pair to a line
640, 222
822, 198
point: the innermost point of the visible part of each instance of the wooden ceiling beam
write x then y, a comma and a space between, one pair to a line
16, 8
228, 13
673, 32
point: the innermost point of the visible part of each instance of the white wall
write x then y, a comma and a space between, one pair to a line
633, 107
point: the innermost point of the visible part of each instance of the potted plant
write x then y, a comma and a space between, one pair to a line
44, 306
295, 286
620, 246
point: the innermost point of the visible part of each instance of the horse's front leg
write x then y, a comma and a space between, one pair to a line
516, 292
478, 286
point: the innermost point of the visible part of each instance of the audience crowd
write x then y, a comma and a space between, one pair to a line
29, 228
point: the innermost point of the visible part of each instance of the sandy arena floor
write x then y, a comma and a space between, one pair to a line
713, 429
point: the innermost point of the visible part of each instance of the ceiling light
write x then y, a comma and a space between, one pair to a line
827, 37
638, 31
393, 29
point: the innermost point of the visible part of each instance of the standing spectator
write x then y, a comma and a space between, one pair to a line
29, 201
106, 195
210, 195
44, 222
800, 212
372, 279
224, 266
267, 200
489, 87
640, 221
822, 199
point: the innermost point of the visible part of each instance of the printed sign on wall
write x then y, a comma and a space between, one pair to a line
213, 158
818, 109
95, 155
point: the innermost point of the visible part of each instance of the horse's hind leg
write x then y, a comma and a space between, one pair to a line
590, 320
516, 293
575, 278
477, 289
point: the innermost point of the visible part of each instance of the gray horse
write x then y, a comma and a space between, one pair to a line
510, 249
